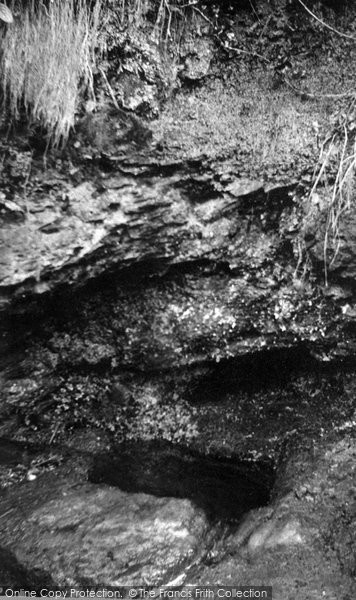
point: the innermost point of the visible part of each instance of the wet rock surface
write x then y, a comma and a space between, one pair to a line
66, 531
292, 544
79, 533
82, 534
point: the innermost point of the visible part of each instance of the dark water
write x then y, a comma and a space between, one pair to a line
224, 488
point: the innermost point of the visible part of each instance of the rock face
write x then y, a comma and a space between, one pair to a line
165, 280
200, 221
240, 293
61, 530
293, 545
84, 534
129, 221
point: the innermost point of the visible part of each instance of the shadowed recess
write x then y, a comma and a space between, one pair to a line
224, 488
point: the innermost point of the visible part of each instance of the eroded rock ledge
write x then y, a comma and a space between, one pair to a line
169, 214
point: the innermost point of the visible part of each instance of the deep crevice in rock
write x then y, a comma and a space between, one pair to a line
260, 371
225, 488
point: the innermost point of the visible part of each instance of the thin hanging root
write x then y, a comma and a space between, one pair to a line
325, 162
340, 201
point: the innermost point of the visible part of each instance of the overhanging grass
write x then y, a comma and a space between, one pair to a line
47, 54
46, 60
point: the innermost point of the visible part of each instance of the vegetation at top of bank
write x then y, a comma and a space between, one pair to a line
46, 61
49, 53
51, 58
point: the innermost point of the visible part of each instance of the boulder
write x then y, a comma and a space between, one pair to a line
79, 532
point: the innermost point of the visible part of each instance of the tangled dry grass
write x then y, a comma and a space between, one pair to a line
335, 171
336, 167
46, 60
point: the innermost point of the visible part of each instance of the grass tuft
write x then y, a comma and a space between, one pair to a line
337, 163
46, 61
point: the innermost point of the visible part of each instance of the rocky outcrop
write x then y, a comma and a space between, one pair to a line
294, 544
81, 534
61, 530
163, 282
231, 243
199, 220
117, 221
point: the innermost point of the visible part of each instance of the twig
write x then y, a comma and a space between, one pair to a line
240, 50
345, 35
112, 95
349, 93
226, 46
46, 461
6, 513
110, 90
203, 15
54, 434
